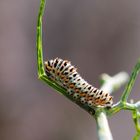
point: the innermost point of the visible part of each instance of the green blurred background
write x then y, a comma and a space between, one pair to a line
97, 36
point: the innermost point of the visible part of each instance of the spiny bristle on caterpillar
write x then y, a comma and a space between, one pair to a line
66, 75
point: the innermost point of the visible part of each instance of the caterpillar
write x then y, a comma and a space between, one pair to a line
66, 75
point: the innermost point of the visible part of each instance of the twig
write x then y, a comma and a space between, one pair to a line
130, 84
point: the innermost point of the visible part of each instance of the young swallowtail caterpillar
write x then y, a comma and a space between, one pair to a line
66, 75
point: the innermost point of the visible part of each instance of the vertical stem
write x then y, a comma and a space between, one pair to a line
39, 45
110, 84
137, 124
104, 132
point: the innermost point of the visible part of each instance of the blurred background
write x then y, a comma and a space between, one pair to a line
97, 36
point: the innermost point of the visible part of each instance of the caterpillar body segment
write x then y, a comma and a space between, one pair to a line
66, 75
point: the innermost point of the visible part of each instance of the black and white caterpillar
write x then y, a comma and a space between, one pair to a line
66, 75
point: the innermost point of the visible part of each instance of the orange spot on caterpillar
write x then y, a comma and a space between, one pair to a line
66, 75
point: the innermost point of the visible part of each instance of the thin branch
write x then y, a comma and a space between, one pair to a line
137, 124
103, 129
125, 106
136, 120
114, 109
131, 82
40, 63
39, 45
122, 104
137, 104
115, 82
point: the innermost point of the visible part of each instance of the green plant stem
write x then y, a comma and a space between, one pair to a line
39, 44
110, 85
131, 82
125, 106
136, 120
137, 124
136, 137
122, 104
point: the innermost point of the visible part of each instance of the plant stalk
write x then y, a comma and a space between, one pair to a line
110, 85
